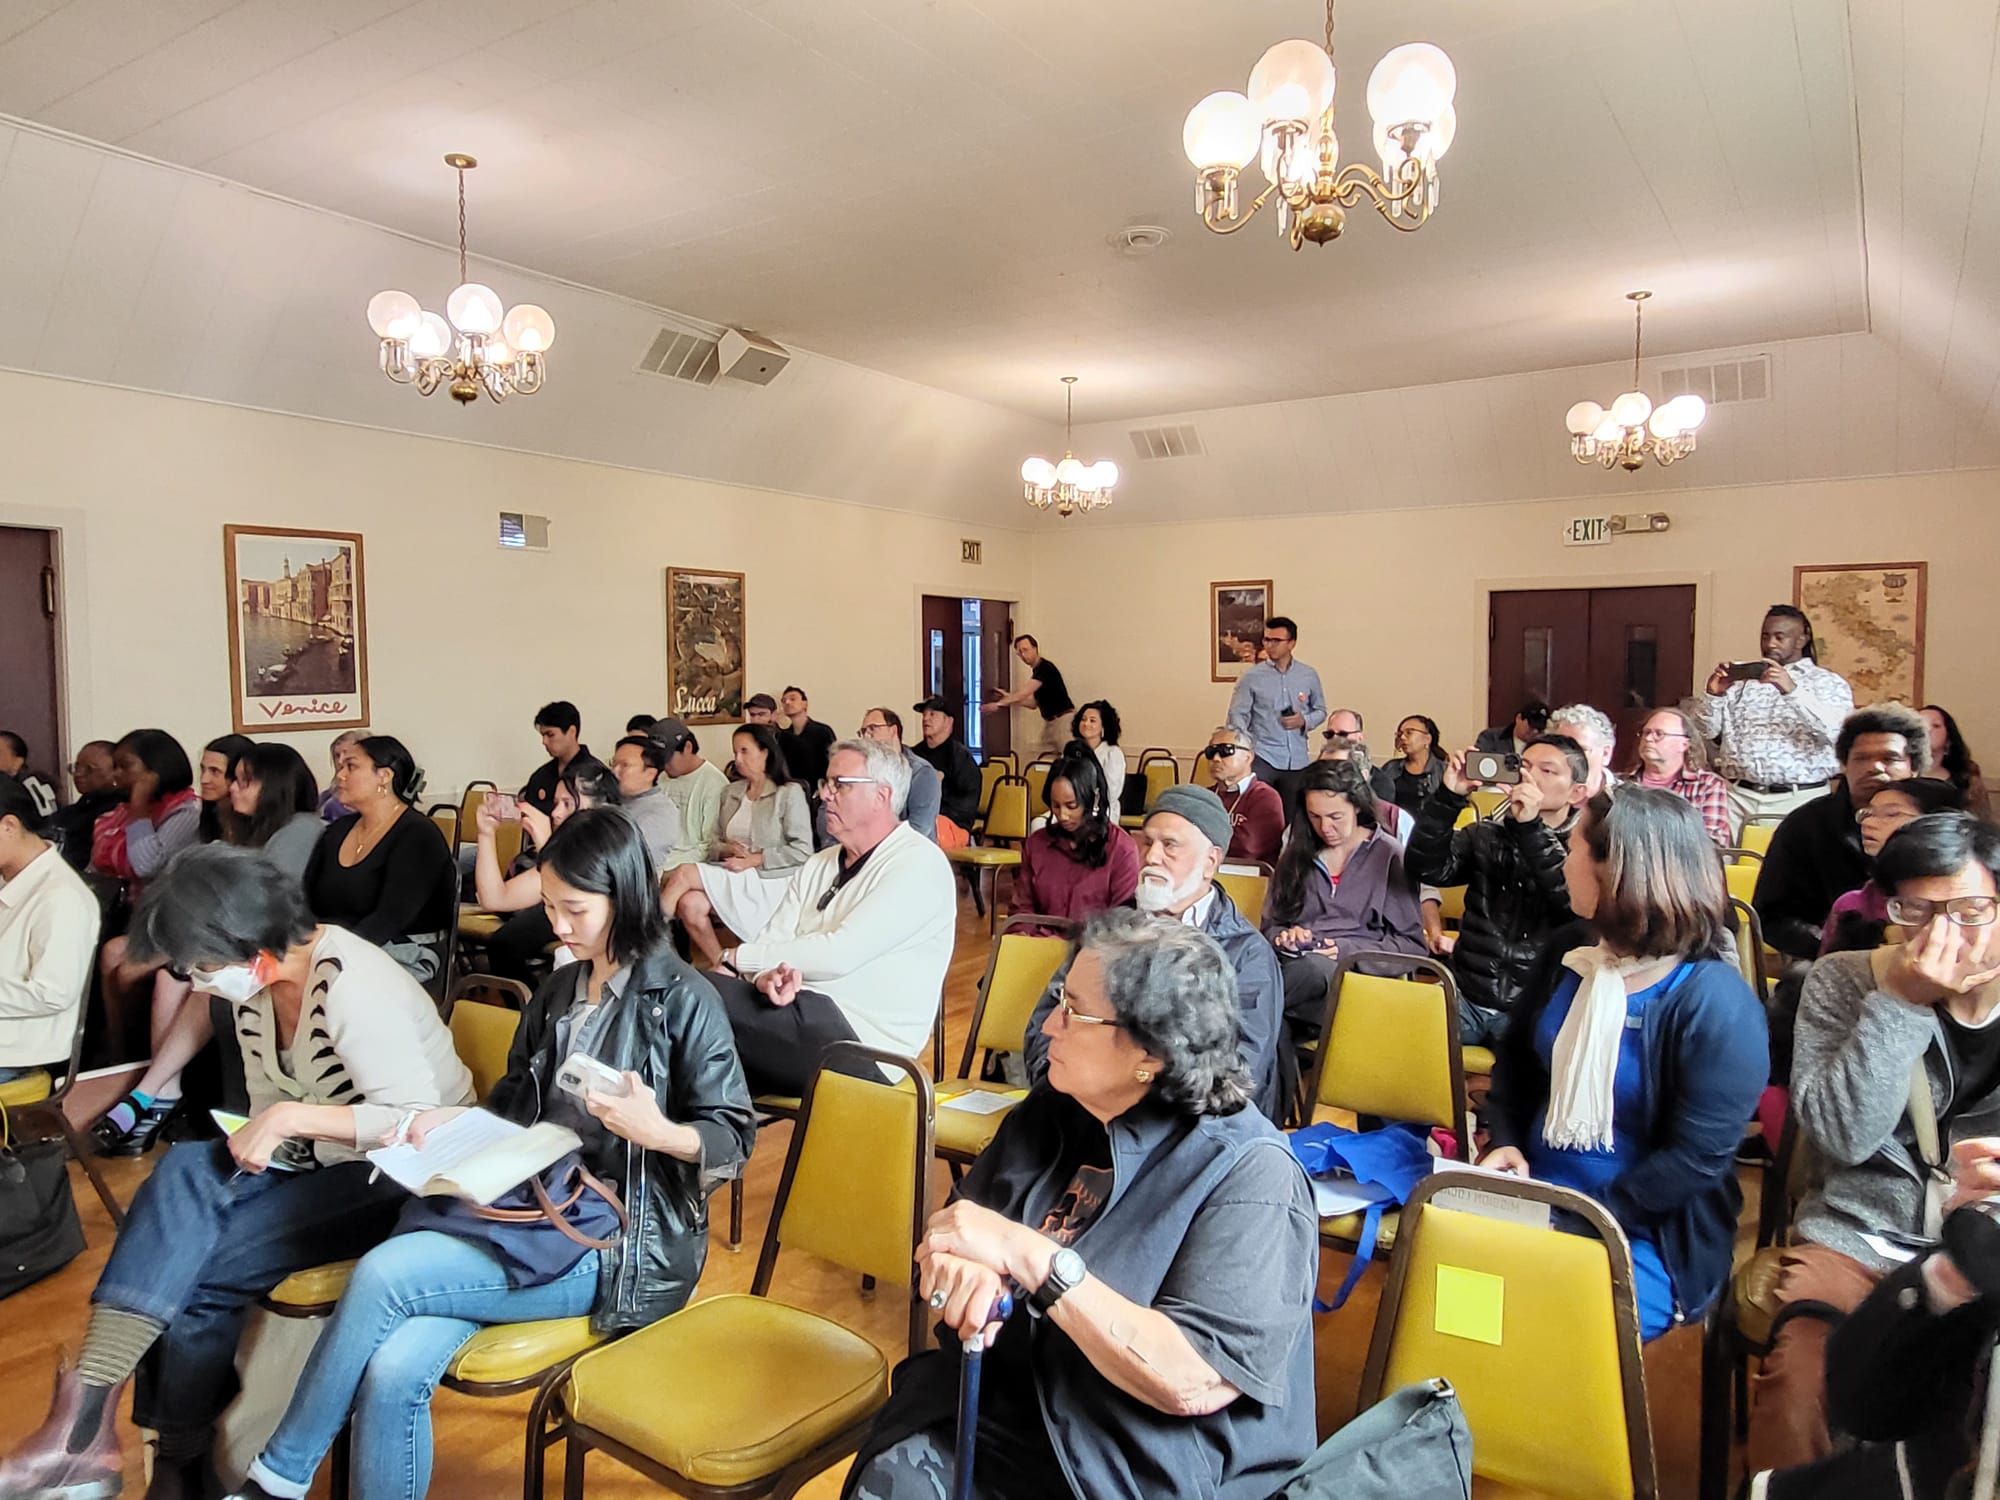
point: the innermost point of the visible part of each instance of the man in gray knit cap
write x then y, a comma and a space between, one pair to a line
1185, 837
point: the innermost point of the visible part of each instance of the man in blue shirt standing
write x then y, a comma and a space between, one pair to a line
1278, 703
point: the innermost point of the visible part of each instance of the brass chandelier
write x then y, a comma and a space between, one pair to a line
1071, 485
479, 349
1633, 429
1285, 123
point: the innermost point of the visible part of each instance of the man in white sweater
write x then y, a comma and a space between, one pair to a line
858, 948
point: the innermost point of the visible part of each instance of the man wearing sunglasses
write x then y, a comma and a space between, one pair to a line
1896, 1061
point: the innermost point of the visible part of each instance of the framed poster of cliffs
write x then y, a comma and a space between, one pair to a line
298, 633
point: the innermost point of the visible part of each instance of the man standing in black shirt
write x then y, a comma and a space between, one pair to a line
561, 729
1045, 690
945, 752
807, 744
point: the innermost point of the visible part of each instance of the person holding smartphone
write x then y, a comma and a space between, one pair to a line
1774, 719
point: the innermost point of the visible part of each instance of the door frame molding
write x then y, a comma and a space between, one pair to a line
69, 531
1483, 590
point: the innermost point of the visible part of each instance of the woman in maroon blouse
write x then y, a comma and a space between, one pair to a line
1081, 861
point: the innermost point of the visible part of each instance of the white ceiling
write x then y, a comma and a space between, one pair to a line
925, 187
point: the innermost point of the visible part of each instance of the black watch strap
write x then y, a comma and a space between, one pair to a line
1066, 1270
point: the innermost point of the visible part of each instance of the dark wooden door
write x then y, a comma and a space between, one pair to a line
966, 657
28, 665
1623, 650
997, 664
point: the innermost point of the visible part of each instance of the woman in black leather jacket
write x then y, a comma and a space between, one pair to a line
684, 1118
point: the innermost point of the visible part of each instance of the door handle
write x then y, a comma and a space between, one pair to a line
49, 592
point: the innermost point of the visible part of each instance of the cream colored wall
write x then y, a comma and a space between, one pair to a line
465, 640
1392, 605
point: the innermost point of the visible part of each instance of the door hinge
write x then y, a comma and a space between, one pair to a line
1492, 627
49, 592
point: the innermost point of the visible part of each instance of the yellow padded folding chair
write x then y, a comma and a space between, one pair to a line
742, 1395
1538, 1333
446, 818
1006, 829
468, 810
989, 777
1749, 931
1037, 777
1161, 772
1756, 837
1740, 868
1388, 1050
1247, 891
1017, 975
1486, 800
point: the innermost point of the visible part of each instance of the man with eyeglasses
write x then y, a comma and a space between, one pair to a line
1182, 845
1256, 813
859, 945
884, 726
1816, 856
1896, 1062
1673, 759
96, 794
1278, 703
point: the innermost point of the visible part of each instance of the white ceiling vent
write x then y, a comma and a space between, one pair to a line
1722, 384
524, 533
682, 356
1167, 442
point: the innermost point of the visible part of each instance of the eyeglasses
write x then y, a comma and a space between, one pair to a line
1886, 815
1661, 734
1220, 752
1276, 640
1964, 911
833, 784
873, 728
1074, 1017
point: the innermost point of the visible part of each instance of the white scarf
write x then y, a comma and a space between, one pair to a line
1583, 1070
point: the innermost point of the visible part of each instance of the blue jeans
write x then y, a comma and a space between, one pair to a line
8, 1075
412, 1303
201, 1244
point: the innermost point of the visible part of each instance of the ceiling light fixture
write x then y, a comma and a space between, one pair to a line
480, 348
1069, 486
1633, 429
1285, 123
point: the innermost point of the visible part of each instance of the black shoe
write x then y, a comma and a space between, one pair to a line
137, 1141
250, 1489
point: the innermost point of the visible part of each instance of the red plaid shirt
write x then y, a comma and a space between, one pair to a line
1710, 795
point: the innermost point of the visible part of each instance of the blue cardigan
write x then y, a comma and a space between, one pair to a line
1706, 1063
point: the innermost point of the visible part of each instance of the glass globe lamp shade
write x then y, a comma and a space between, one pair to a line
473, 308
1039, 472
1437, 140
496, 352
1102, 475
1690, 410
431, 337
1069, 471
1301, 158
1292, 81
528, 328
1413, 82
394, 315
1584, 418
1632, 409
1665, 422
1221, 131
1608, 431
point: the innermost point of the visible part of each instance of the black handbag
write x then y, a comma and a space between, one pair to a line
39, 1230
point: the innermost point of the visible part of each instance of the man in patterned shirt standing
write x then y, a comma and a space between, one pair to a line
1776, 733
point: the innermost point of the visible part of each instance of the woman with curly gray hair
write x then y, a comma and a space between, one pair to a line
1117, 1203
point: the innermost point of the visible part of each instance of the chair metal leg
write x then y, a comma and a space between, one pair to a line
1740, 1378
573, 1468
993, 904
337, 1482
87, 1159
972, 880
1713, 1468
542, 1434
736, 1213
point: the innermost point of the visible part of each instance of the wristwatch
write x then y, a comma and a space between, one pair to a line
1066, 1273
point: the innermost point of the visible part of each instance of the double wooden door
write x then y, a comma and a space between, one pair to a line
967, 656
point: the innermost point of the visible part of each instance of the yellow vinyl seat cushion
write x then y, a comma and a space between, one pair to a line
507, 1352
1754, 1291
1345, 1229
729, 1390
32, 1087
474, 923
964, 1132
984, 855
781, 1104
314, 1286
1477, 1060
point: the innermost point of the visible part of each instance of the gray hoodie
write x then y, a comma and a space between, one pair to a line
1856, 1047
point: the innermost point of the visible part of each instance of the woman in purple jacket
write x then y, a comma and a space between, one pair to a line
1339, 885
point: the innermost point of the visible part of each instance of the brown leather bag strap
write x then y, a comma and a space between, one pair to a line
555, 1214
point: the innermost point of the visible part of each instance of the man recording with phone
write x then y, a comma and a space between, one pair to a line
1511, 865
1775, 719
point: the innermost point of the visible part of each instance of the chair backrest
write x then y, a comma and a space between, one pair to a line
1536, 1329
1451, 903
1485, 800
1017, 974
1160, 774
1158, 752
507, 839
1389, 1047
482, 1035
1007, 809
1037, 777
1004, 759
491, 989
468, 810
1741, 878
1757, 837
1246, 891
446, 818
989, 777
1203, 773
855, 1186
1749, 932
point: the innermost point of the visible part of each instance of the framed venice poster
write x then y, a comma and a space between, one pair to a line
1236, 614
298, 634
1868, 625
705, 650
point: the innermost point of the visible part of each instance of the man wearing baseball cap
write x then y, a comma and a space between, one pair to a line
945, 753
1182, 844
694, 787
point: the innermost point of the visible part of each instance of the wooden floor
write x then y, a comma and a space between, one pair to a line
478, 1442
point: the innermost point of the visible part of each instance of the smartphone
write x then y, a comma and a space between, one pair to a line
582, 1072
1748, 671
1493, 767
506, 806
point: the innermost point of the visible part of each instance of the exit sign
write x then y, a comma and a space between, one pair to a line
1587, 531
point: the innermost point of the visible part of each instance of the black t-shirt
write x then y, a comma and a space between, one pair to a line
1975, 1058
807, 752
1051, 697
540, 791
959, 797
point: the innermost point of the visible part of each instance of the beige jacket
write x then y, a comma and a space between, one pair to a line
780, 826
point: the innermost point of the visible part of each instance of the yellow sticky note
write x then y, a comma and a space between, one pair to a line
1469, 1304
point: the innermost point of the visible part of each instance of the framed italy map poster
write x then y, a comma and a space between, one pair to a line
1868, 625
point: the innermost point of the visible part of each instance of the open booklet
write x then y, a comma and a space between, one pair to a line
477, 1157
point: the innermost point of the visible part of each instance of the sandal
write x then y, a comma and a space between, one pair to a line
144, 1130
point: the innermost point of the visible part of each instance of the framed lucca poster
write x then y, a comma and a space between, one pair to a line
1868, 625
705, 652
298, 633
1236, 614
